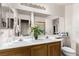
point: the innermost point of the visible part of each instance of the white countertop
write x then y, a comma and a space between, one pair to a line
26, 43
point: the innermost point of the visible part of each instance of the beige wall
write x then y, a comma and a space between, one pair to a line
68, 22
56, 9
72, 23
76, 26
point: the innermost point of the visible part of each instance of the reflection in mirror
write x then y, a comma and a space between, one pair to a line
10, 23
55, 26
41, 25
5, 14
24, 27
3, 23
2, 18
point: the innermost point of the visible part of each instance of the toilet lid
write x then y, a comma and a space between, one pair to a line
68, 49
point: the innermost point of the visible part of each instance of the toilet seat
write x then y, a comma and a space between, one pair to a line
68, 50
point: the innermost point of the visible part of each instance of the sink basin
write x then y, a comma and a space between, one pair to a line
38, 40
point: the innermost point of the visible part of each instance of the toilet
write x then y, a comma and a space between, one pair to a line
67, 51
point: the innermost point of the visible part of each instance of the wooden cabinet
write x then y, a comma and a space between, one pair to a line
54, 49
48, 49
40, 50
23, 51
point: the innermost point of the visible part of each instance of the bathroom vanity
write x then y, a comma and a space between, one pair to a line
33, 48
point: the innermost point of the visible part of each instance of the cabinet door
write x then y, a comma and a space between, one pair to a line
23, 51
40, 50
54, 49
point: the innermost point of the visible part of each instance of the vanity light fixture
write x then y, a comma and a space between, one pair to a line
34, 6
